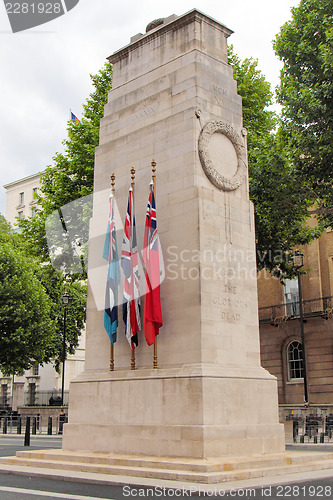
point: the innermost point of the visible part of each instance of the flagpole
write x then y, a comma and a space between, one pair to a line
153, 165
132, 186
113, 183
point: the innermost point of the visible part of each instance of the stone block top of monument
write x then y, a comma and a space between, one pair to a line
178, 35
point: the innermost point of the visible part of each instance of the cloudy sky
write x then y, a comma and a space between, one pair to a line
45, 70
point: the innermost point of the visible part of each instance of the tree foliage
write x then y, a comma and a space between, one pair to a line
280, 200
305, 45
31, 312
256, 95
27, 329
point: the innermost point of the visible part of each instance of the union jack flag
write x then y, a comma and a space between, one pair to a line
129, 264
110, 253
152, 321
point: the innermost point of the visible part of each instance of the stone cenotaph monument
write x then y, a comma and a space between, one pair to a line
174, 100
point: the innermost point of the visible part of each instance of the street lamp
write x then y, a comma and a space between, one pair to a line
298, 263
66, 299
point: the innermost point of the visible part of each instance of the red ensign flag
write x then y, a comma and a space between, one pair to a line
152, 320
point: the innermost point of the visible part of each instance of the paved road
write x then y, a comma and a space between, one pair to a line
10, 444
18, 487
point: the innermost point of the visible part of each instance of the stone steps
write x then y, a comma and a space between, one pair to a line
163, 468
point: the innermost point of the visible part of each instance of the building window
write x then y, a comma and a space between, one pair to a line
21, 199
295, 361
4, 395
33, 211
34, 193
20, 215
291, 297
32, 394
35, 370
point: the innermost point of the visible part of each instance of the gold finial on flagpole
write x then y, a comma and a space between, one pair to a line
132, 186
153, 167
132, 179
113, 183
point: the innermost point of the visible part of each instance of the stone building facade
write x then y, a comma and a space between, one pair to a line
21, 197
280, 333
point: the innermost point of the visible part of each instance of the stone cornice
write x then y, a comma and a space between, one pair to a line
179, 22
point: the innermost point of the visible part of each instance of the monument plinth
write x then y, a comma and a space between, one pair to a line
174, 99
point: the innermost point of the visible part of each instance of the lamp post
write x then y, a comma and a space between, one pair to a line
65, 302
298, 262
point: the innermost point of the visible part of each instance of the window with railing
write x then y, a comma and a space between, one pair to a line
320, 307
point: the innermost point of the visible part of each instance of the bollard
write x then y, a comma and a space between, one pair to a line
27, 432
34, 426
49, 426
19, 425
4, 430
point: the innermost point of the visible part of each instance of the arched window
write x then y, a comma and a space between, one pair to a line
295, 360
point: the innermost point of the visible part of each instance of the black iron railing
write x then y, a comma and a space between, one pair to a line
45, 398
279, 313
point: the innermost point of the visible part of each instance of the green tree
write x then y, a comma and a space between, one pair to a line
256, 95
31, 311
305, 45
27, 330
280, 199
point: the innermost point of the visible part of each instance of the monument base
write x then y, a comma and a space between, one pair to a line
193, 411
171, 473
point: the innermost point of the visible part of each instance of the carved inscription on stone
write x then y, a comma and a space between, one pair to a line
145, 112
230, 305
219, 90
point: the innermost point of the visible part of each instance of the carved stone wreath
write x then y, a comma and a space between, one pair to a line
220, 181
